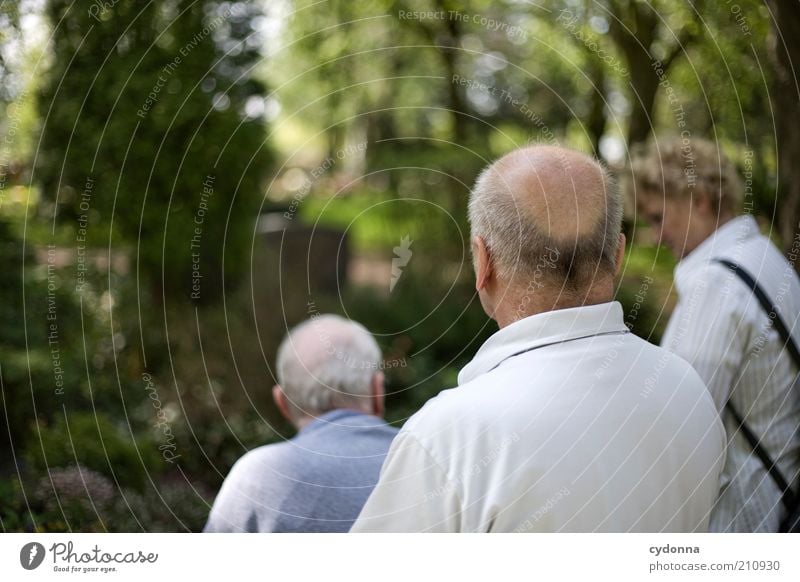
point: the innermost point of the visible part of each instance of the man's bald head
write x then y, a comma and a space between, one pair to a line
548, 213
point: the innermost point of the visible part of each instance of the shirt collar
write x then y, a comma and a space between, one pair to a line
542, 329
725, 241
340, 417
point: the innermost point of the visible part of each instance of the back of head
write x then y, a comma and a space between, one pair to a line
325, 363
548, 215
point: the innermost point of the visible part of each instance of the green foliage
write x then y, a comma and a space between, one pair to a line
172, 506
71, 498
75, 498
12, 340
96, 442
26, 369
13, 511
9, 31
153, 133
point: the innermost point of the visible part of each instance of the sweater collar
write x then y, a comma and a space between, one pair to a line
343, 417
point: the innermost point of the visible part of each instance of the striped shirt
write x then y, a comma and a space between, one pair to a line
720, 327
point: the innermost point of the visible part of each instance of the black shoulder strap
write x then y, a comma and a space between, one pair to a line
788, 497
772, 312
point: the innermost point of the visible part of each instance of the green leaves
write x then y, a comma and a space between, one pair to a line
147, 102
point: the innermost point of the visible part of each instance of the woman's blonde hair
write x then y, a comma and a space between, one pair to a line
682, 167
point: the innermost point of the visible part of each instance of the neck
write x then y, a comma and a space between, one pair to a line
704, 228
724, 218
516, 304
302, 422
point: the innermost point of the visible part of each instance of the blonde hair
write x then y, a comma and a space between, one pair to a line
681, 167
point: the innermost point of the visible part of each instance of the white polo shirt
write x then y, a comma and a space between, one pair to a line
563, 421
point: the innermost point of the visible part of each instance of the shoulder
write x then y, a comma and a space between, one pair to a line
450, 420
675, 368
385, 432
674, 382
251, 477
428, 416
439, 412
712, 291
377, 427
705, 277
259, 460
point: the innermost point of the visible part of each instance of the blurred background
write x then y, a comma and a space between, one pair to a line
181, 181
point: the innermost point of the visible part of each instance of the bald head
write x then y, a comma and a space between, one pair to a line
327, 362
559, 191
550, 213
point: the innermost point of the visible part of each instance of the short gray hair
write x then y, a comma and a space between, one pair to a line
327, 362
519, 248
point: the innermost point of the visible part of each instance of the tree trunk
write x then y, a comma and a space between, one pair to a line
644, 86
596, 121
786, 90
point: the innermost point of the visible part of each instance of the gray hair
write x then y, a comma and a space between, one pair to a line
520, 250
327, 362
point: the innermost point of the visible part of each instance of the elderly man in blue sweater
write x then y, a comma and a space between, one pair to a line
331, 389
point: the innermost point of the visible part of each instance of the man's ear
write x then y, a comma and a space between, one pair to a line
620, 254
483, 262
378, 392
281, 402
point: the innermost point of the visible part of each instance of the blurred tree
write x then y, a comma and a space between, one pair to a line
643, 35
12, 87
786, 89
14, 357
9, 38
683, 64
446, 34
154, 134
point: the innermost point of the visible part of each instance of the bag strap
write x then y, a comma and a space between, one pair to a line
772, 312
788, 497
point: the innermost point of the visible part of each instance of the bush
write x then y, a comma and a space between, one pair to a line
78, 499
93, 441
72, 499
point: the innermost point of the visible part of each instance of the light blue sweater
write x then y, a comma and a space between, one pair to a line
316, 482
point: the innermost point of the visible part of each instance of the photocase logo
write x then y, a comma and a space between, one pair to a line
31, 555
402, 254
